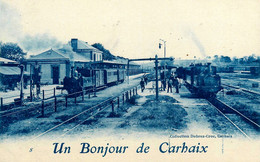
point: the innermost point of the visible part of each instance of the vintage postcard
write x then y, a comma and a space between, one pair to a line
111, 80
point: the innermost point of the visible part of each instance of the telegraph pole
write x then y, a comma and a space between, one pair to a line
37, 79
21, 84
31, 82
156, 75
95, 79
128, 71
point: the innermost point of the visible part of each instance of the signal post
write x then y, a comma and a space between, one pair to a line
156, 69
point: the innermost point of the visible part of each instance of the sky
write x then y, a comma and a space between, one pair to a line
133, 28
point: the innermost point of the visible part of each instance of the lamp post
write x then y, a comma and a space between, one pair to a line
164, 51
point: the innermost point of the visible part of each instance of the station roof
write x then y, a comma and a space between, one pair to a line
115, 62
73, 56
59, 55
49, 54
112, 62
81, 45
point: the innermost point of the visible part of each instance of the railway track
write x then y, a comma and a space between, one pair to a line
46, 107
243, 90
35, 104
224, 109
81, 117
88, 112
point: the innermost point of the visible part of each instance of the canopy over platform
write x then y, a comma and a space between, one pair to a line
6, 61
9, 70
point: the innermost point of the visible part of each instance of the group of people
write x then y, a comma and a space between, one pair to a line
173, 81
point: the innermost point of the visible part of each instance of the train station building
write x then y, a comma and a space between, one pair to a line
54, 64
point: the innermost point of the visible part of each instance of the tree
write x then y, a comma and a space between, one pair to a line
106, 53
216, 59
11, 51
251, 58
241, 60
225, 59
235, 60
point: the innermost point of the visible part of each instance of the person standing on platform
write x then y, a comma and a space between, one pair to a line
176, 84
142, 84
145, 80
170, 82
180, 82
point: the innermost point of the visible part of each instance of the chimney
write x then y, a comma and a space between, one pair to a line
74, 44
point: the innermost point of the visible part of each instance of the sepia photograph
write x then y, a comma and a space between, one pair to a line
147, 80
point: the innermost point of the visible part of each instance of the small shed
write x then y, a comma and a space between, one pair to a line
10, 74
